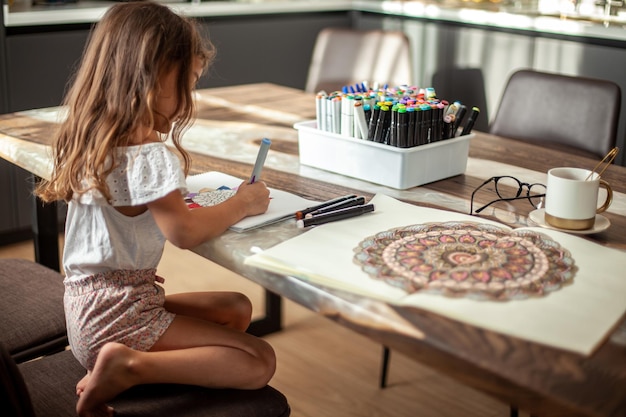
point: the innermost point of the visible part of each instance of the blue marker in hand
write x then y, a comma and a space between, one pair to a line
260, 159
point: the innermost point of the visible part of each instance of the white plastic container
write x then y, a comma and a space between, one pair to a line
399, 168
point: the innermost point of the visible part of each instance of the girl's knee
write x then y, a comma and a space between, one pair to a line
264, 371
241, 311
242, 303
267, 357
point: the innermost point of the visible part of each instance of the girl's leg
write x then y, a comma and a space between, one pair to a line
222, 318
192, 351
230, 309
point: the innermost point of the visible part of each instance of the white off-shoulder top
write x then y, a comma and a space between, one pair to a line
100, 239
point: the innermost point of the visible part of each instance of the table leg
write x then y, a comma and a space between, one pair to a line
384, 367
273, 313
46, 232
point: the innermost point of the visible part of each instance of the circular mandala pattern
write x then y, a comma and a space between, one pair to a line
466, 259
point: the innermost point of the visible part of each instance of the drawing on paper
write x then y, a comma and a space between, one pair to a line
466, 259
212, 197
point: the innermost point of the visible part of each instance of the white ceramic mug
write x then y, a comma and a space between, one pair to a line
572, 198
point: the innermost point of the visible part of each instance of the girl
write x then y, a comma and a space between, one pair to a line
125, 192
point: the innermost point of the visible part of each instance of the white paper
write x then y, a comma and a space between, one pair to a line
282, 204
576, 317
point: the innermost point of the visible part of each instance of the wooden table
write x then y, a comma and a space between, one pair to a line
543, 380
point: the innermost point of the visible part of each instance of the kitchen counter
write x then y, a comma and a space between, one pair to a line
598, 27
92, 11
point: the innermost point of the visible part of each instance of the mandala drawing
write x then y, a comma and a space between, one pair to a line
466, 259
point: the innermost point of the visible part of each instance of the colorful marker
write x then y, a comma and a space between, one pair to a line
260, 160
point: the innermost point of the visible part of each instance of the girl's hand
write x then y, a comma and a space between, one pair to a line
255, 197
187, 228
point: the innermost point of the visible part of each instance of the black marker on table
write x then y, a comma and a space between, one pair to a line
351, 202
300, 214
340, 214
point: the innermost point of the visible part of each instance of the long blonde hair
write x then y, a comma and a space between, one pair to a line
114, 93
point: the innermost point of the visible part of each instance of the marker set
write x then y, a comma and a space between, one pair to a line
336, 209
402, 116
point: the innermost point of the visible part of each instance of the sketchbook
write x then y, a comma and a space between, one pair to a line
213, 187
372, 255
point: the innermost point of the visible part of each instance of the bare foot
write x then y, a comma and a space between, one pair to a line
110, 376
80, 386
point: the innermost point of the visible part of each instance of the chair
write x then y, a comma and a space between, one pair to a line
31, 307
344, 56
559, 110
47, 387
466, 85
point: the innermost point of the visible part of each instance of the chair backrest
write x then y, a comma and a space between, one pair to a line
466, 85
344, 56
578, 112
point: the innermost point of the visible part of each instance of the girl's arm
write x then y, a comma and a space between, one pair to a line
187, 228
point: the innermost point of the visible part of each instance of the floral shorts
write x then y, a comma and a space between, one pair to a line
120, 306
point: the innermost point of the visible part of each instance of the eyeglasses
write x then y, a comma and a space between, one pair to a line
510, 188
